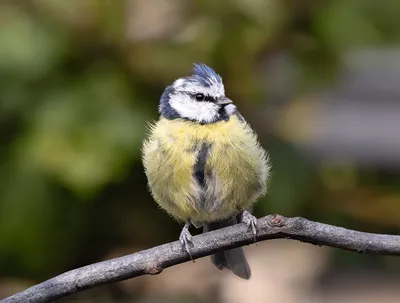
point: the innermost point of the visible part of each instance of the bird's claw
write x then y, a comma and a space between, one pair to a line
186, 238
251, 222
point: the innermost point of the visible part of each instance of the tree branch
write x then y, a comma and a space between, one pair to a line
152, 261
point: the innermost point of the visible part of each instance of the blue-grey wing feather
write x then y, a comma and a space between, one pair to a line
231, 110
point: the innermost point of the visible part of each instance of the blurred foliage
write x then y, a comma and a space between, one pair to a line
79, 80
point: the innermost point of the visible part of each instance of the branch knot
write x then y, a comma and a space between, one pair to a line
277, 221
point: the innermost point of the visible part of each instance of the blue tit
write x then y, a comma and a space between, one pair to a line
204, 163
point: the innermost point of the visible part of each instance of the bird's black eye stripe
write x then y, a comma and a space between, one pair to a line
202, 97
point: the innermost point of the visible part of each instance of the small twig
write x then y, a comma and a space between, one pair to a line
154, 260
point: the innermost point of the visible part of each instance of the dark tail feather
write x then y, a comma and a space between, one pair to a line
233, 259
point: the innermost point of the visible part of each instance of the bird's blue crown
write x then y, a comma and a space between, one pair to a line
205, 75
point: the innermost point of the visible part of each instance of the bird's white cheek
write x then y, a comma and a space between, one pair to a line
188, 108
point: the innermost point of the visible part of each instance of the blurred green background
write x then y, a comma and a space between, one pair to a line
80, 80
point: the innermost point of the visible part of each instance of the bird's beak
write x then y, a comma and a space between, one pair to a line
224, 101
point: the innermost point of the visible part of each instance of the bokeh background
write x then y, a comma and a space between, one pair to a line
80, 79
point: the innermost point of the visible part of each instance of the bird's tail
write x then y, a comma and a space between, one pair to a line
233, 259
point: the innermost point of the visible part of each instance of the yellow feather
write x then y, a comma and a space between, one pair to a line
238, 164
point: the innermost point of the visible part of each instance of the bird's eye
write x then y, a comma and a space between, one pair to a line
199, 97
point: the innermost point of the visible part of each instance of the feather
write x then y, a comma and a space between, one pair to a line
235, 172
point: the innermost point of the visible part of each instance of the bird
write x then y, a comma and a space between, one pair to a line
203, 162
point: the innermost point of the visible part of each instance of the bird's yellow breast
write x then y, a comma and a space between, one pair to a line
235, 168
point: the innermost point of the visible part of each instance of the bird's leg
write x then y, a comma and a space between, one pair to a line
250, 221
185, 238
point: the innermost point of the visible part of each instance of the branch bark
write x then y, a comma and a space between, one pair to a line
154, 260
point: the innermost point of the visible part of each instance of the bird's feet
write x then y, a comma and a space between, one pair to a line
250, 221
186, 238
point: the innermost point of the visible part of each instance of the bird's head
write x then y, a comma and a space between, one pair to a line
199, 97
